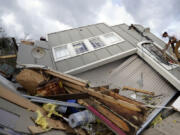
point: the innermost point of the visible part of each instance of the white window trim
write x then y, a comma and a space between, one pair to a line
111, 43
105, 45
87, 44
65, 57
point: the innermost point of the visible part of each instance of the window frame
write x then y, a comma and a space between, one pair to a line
120, 39
97, 37
78, 42
61, 58
87, 43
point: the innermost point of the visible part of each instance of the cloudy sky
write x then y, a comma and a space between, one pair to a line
35, 18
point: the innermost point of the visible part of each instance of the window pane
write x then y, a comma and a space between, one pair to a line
80, 47
111, 38
96, 42
61, 52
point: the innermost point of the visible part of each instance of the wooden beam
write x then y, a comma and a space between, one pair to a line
104, 97
117, 96
27, 42
138, 90
112, 117
106, 121
8, 56
66, 77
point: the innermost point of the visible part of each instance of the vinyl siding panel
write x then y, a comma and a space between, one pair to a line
89, 58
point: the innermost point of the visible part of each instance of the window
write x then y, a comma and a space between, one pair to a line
87, 45
96, 42
80, 47
61, 52
112, 38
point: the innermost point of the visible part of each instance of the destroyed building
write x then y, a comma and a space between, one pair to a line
120, 57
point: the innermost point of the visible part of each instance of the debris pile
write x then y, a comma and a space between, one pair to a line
64, 102
35, 99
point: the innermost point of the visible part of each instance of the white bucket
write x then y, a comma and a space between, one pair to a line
81, 118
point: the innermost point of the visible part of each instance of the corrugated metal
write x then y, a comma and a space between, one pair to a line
128, 72
130, 75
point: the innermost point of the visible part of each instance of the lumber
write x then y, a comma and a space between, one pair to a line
104, 97
8, 56
66, 77
36, 129
133, 116
102, 118
27, 42
117, 96
136, 118
138, 90
17, 99
116, 120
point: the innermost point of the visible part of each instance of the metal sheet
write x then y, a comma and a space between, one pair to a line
129, 73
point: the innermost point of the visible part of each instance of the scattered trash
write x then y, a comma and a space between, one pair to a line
81, 118
30, 80
41, 120
51, 109
52, 87
157, 120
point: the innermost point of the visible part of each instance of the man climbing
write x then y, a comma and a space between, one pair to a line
175, 44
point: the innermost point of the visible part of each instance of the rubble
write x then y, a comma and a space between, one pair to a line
53, 101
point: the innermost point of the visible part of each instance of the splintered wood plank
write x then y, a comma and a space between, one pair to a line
67, 77
8, 56
36, 130
17, 99
116, 120
138, 90
104, 97
106, 121
117, 96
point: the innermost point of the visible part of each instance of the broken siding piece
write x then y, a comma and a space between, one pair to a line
14, 98
176, 104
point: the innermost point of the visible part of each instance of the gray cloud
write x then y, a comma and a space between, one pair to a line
75, 12
69, 12
39, 17
155, 13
